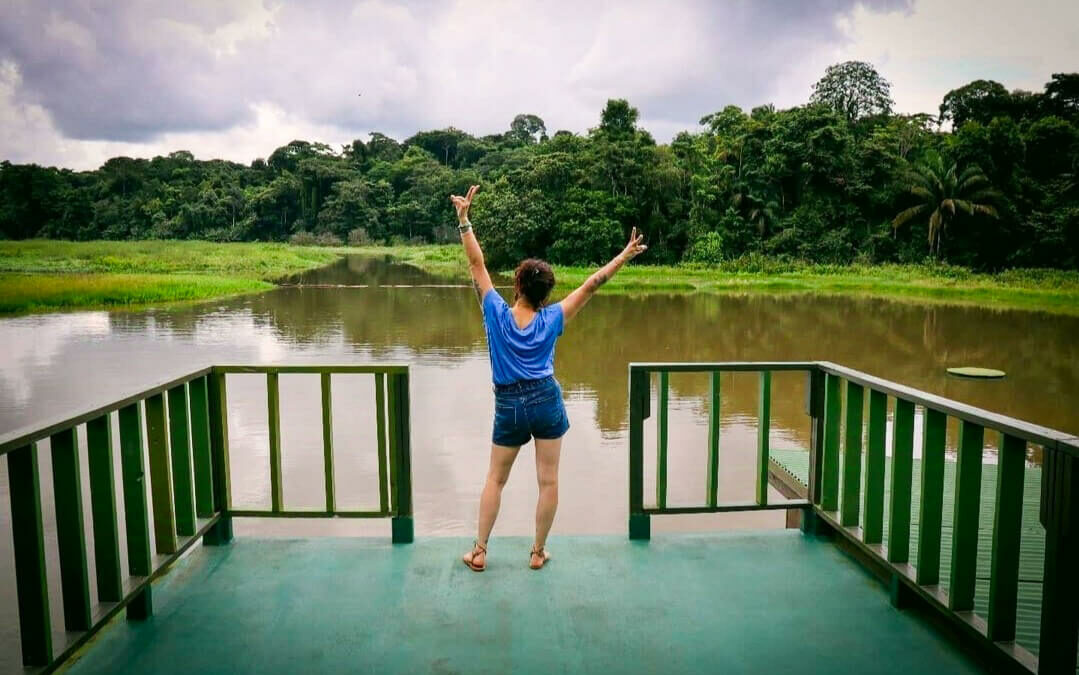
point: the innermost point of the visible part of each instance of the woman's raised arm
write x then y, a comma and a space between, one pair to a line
577, 299
481, 280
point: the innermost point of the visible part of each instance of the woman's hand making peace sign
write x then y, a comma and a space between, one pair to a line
462, 203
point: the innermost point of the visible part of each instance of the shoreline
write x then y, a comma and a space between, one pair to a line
39, 276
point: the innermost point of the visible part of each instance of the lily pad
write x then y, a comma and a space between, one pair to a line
977, 373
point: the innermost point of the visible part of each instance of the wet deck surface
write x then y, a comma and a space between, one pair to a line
731, 602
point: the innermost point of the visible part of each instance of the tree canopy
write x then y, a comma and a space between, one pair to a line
819, 182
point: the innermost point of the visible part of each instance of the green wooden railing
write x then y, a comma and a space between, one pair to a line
640, 375
839, 505
181, 428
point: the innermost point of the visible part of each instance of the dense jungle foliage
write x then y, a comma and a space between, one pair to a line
989, 182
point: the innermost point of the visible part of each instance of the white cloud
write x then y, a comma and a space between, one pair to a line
237, 78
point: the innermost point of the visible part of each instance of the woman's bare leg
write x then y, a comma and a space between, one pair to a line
502, 458
547, 453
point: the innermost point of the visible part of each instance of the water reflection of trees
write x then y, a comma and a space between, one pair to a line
905, 342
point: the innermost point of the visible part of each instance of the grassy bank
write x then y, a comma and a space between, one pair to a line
42, 275
1035, 289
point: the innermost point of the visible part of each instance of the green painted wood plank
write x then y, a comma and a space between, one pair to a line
70, 537
136, 515
380, 432
180, 449
852, 455
830, 469
202, 462
900, 497
401, 445
661, 440
713, 440
327, 442
873, 494
931, 504
1006, 540
273, 418
968, 483
28, 544
638, 400
391, 429
764, 422
160, 475
217, 401
103, 509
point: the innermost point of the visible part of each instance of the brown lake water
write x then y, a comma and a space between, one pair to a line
366, 310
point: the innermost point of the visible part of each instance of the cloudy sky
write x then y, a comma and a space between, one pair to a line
85, 80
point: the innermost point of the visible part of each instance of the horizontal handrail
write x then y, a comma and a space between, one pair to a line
721, 366
313, 369
1027, 431
32, 433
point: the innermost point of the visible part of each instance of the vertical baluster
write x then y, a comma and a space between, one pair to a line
713, 441
968, 486
70, 538
160, 478
28, 544
661, 442
103, 508
852, 456
221, 533
902, 467
931, 508
327, 443
639, 526
764, 422
401, 459
1007, 528
830, 469
815, 410
180, 445
200, 447
380, 431
273, 418
873, 500
1059, 514
136, 520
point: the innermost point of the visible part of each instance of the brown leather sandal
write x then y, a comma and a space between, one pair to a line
471, 555
540, 553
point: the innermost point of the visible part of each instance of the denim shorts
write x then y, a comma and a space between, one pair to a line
527, 409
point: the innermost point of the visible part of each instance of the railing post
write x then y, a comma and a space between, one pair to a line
400, 459
180, 448
873, 499
221, 532
902, 468
639, 526
70, 537
157, 440
661, 440
764, 423
103, 509
852, 456
136, 517
713, 439
811, 524
1060, 586
28, 542
931, 506
829, 500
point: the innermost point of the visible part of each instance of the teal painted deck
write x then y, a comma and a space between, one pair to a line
1032, 542
730, 602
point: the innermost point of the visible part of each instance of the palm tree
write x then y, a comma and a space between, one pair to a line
944, 190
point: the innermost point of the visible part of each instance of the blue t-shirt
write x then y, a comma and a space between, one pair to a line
516, 353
